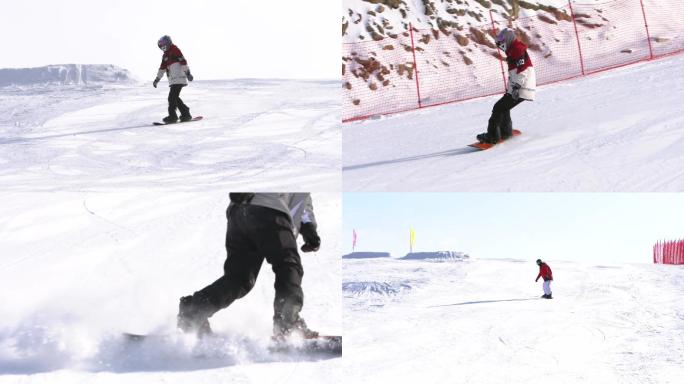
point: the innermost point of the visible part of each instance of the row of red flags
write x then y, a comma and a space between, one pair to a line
669, 252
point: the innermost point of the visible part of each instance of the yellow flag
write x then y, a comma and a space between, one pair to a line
413, 239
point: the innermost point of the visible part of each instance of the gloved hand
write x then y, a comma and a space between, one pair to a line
311, 240
189, 75
537, 279
515, 91
155, 82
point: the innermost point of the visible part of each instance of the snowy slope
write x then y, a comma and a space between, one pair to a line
617, 131
257, 134
79, 268
482, 321
65, 74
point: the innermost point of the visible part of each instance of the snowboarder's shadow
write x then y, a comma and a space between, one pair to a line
451, 152
483, 302
14, 140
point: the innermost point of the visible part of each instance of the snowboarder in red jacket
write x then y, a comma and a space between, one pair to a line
521, 86
176, 68
546, 274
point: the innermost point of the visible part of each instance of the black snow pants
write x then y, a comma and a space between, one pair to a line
175, 101
500, 124
256, 233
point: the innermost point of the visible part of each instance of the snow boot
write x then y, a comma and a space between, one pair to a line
170, 119
486, 138
193, 316
185, 113
282, 331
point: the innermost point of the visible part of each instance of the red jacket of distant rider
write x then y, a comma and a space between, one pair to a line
545, 272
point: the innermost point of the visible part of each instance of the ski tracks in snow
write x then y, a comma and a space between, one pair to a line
249, 138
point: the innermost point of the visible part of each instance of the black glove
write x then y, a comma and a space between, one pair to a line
311, 240
155, 82
189, 75
515, 91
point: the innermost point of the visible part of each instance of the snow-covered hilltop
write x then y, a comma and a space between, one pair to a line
66, 74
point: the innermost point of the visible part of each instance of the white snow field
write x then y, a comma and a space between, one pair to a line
482, 321
79, 268
278, 135
615, 131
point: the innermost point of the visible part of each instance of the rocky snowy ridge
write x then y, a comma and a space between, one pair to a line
66, 74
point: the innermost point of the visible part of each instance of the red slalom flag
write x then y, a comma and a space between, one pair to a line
353, 239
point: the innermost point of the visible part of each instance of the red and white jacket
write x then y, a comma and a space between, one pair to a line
520, 70
174, 65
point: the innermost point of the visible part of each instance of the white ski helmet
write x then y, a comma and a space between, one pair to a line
505, 38
164, 42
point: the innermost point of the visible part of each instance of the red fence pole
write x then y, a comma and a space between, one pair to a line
660, 250
579, 46
503, 74
415, 66
669, 252
648, 34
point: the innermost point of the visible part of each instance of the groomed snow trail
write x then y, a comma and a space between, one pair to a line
615, 131
482, 321
257, 134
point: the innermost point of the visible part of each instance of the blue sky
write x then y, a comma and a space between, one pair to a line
612, 227
221, 39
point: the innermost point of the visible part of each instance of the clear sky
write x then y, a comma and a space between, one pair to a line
613, 227
220, 38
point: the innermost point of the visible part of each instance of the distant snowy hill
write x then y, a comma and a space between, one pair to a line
366, 255
66, 74
439, 255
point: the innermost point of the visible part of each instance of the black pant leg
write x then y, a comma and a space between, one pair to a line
506, 126
278, 245
500, 120
182, 108
242, 265
174, 97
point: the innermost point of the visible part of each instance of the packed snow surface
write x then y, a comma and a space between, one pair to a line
615, 131
483, 321
256, 135
79, 268
106, 221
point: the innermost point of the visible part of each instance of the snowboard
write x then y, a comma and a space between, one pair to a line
485, 146
323, 344
196, 118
